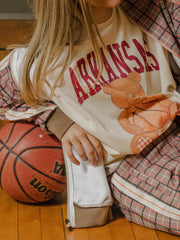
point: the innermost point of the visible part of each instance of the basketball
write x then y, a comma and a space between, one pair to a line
32, 167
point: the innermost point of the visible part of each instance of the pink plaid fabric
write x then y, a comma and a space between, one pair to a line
159, 18
10, 97
147, 186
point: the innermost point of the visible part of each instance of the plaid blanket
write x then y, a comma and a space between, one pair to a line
12, 105
146, 187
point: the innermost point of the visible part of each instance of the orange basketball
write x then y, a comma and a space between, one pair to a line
31, 163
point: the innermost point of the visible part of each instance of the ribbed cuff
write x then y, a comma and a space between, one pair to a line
59, 123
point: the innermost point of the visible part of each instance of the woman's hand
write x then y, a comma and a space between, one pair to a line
86, 145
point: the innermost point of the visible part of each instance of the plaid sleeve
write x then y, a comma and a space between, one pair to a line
171, 11
12, 105
146, 187
158, 18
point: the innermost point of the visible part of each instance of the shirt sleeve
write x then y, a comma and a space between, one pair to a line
59, 123
175, 68
160, 19
174, 10
12, 105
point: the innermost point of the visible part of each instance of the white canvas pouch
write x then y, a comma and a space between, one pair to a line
88, 194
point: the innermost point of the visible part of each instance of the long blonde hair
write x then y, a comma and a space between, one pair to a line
59, 23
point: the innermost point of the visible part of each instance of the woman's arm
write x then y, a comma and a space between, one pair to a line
175, 68
70, 134
13, 108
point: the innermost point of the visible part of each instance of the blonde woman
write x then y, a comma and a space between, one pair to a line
100, 75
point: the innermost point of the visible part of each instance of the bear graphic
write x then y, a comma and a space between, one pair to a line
145, 117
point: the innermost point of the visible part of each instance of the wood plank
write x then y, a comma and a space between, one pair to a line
142, 233
76, 234
8, 217
29, 222
51, 222
166, 236
15, 32
98, 233
3, 54
3, 123
121, 229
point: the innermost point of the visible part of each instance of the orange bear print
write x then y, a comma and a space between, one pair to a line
145, 117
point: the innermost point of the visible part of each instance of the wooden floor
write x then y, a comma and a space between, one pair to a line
46, 221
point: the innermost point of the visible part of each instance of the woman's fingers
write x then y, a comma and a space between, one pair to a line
89, 150
86, 145
97, 146
93, 149
67, 148
79, 147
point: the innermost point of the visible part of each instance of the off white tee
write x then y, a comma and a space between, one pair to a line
134, 100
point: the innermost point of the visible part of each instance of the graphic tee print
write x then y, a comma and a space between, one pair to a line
134, 99
144, 117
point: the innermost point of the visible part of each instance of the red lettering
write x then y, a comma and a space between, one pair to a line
110, 72
84, 74
81, 95
143, 55
156, 66
118, 60
132, 58
94, 69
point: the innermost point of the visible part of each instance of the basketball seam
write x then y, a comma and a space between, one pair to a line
18, 157
49, 147
10, 134
3, 145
